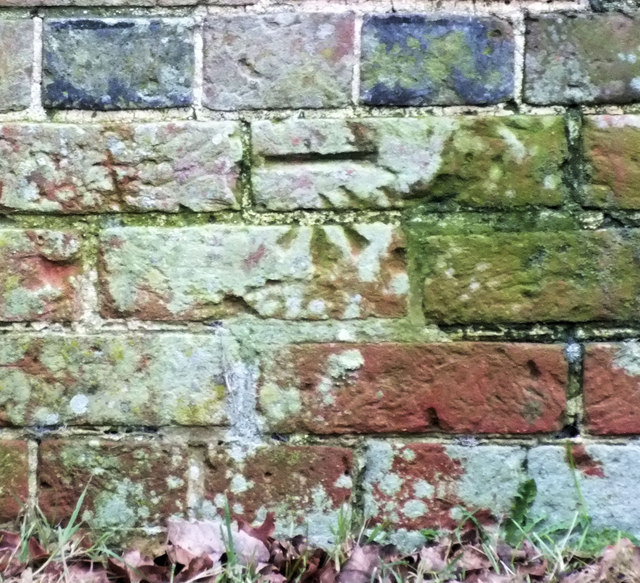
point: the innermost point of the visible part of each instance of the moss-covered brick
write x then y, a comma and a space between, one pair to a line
285, 272
412, 59
111, 379
14, 478
305, 486
39, 273
129, 483
16, 60
395, 388
430, 485
531, 277
480, 162
612, 146
118, 63
280, 60
567, 60
65, 168
611, 388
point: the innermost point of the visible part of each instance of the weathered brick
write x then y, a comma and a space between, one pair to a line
278, 61
604, 485
111, 379
428, 485
566, 60
489, 162
611, 145
118, 63
306, 486
38, 275
66, 168
452, 387
611, 388
16, 59
531, 277
283, 272
130, 483
14, 478
412, 59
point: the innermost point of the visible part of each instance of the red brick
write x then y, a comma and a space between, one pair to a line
451, 387
612, 388
130, 483
14, 478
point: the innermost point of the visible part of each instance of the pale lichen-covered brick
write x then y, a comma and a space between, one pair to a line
531, 276
566, 60
39, 272
413, 59
67, 168
305, 486
118, 63
611, 145
612, 388
603, 486
16, 62
492, 162
278, 61
130, 483
111, 379
430, 485
394, 388
285, 272
14, 478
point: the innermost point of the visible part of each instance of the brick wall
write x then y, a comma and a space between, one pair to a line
316, 255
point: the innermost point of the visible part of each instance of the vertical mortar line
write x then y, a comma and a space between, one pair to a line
36, 80
195, 481
198, 73
358, 488
519, 29
574, 353
246, 203
32, 460
88, 287
357, 52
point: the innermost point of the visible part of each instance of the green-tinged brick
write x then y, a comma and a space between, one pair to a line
531, 277
14, 478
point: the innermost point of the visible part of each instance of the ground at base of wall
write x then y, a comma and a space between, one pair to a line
230, 551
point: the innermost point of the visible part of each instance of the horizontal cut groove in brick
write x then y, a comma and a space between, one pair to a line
275, 61
381, 388
612, 388
66, 168
491, 162
582, 58
133, 63
414, 59
427, 485
611, 145
14, 478
285, 272
39, 273
111, 379
16, 64
572, 276
130, 483
306, 486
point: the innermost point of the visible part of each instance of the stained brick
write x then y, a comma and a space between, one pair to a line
531, 277
129, 483
429, 485
483, 162
111, 379
39, 273
378, 388
16, 59
566, 60
14, 478
412, 59
276, 271
305, 486
612, 388
66, 168
134, 63
278, 61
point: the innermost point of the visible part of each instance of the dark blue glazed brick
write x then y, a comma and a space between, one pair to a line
414, 60
118, 63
